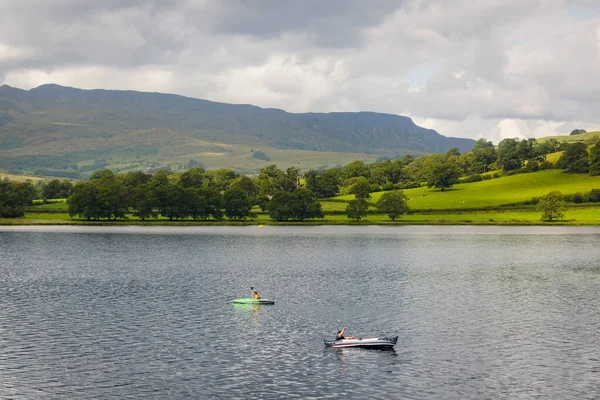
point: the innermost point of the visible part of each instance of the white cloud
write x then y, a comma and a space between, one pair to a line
495, 68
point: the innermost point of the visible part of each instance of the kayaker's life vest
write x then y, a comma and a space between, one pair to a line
256, 296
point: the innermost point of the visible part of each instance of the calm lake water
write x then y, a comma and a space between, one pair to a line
146, 312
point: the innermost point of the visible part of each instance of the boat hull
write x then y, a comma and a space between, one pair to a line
367, 343
254, 302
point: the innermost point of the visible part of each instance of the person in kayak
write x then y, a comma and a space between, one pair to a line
340, 334
255, 294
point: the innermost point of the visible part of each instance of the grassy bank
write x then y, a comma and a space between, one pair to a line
574, 216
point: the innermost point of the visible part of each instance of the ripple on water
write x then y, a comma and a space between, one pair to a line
110, 313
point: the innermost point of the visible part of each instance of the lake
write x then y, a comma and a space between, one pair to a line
146, 312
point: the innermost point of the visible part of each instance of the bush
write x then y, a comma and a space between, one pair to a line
546, 165
388, 186
375, 188
593, 196
473, 178
574, 198
486, 177
534, 200
407, 185
496, 175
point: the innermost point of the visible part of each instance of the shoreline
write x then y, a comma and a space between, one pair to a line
365, 222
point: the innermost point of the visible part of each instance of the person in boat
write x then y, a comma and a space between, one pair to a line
255, 294
340, 334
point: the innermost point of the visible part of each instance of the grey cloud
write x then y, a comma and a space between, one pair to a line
490, 61
328, 23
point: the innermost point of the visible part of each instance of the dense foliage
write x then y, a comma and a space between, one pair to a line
13, 197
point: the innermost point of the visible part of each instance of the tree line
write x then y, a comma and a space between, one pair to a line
290, 194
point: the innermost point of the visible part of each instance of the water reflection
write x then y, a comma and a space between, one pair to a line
254, 309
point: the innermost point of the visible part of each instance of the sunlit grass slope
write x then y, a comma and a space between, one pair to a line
19, 178
572, 138
496, 192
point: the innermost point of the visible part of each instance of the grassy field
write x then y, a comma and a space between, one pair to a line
578, 216
553, 157
19, 178
495, 192
584, 137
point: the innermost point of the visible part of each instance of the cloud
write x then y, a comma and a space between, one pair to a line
491, 68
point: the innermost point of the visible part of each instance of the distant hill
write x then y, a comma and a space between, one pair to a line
62, 128
587, 138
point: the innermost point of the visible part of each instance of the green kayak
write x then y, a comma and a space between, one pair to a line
253, 301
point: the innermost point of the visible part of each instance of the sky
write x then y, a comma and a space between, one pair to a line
467, 68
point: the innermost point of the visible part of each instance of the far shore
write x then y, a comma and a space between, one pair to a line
576, 217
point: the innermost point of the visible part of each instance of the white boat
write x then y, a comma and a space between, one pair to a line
372, 343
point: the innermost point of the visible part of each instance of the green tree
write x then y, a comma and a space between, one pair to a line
84, 201
547, 147
267, 180
13, 197
291, 180
214, 202
325, 184
103, 197
299, 205
595, 159
453, 152
172, 201
113, 197
247, 185
196, 203
307, 206
52, 189
133, 179
356, 169
440, 172
357, 209
387, 172
393, 204
551, 206
66, 188
575, 159
220, 179
102, 174
236, 204
509, 155
482, 158
144, 201
280, 206
194, 177
482, 144
361, 188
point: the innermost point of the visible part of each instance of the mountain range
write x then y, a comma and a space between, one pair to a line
60, 128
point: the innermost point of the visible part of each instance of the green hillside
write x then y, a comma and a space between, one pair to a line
494, 192
59, 129
588, 138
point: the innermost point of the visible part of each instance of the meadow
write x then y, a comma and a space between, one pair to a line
587, 137
494, 192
